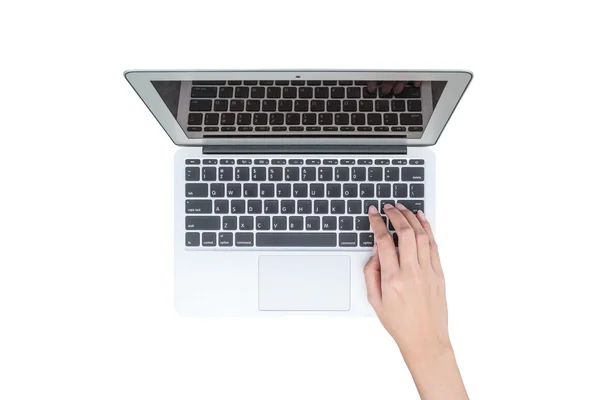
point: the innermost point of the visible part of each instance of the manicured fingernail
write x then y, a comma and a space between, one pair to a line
373, 210
400, 206
387, 206
374, 249
421, 215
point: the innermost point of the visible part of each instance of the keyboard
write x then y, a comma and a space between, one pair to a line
301, 106
288, 202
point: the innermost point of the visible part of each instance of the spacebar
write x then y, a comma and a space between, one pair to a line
296, 239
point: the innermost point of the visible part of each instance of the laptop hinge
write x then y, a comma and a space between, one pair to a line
304, 149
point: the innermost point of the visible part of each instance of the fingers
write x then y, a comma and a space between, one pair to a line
421, 237
399, 87
387, 87
417, 83
373, 280
372, 86
385, 245
407, 245
436, 264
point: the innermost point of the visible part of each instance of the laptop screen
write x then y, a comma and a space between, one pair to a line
301, 108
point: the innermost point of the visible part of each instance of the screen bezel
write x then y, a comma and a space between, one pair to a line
457, 83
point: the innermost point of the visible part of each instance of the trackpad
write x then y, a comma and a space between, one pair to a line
304, 283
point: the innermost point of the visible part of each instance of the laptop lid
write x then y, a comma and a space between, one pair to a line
169, 94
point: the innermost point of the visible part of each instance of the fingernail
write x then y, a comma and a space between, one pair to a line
374, 249
387, 206
421, 215
400, 206
373, 210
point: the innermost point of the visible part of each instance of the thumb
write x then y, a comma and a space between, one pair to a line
373, 280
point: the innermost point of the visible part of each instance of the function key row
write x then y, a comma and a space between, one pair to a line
302, 92
280, 83
278, 161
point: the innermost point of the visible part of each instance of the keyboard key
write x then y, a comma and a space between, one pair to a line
384, 202
288, 206
369, 95
375, 174
305, 93
252, 105
194, 161
301, 105
268, 239
254, 207
390, 119
212, 223
338, 93
296, 223
359, 173
204, 92
349, 105
325, 174
313, 223
367, 190
365, 162
317, 190
289, 92
192, 174
309, 119
346, 223
192, 239
304, 206
398, 105
334, 190
321, 207
350, 190
207, 83
382, 105
417, 190
399, 162
282, 83
348, 240
278, 161
298, 83
329, 223
411, 119
392, 174
342, 174
242, 174
342, 119
244, 239
292, 118
414, 105
273, 93
322, 92
200, 105
225, 239
345, 83
354, 206
309, 174
338, 206
250, 190
209, 239
209, 174
227, 119
362, 223
400, 190
242, 92
284, 190
413, 174
267, 190
198, 206
409, 92
292, 174
365, 105
271, 207
313, 162
300, 190
369, 203
358, 119
384, 190
385, 95
225, 173
330, 162
234, 83
413, 205
279, 223
238, 206
246, 223
366, 239
374, 119
276, 119
325, 119
263, 223
221, 105
353, 93
221, 206
230, 223
317, 105
257, 92
217, 190
275, 174
269, 105
417, 162
259, 174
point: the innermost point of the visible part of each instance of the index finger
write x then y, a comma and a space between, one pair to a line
385, 245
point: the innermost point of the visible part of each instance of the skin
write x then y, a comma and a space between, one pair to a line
407, 291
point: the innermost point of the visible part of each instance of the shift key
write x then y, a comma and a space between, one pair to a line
413, 174
211, 223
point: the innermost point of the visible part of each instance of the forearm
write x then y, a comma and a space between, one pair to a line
436, 375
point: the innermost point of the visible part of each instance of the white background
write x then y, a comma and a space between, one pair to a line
86, 274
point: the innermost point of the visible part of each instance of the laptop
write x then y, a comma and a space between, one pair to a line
276, 171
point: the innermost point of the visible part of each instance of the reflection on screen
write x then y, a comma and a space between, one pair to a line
301, 108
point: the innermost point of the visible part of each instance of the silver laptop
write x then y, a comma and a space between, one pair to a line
276, 171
